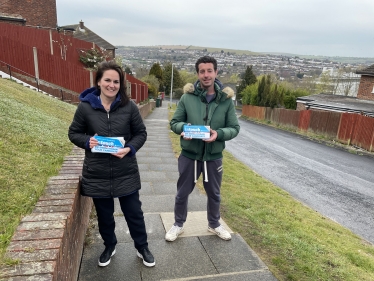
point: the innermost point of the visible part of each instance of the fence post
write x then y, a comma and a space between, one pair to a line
91, 79
51, 41
37, 83
36, 66
10, 72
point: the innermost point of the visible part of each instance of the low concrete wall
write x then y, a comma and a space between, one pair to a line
49, 242
147, 108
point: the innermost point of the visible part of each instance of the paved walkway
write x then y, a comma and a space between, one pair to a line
197, 254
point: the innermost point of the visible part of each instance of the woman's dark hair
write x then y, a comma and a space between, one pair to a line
112, 65
206, 59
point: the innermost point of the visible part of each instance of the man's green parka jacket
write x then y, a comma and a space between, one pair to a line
219, 114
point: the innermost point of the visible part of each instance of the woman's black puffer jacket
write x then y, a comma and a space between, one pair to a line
105, 175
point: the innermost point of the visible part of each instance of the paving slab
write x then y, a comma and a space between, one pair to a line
195, 225
124, 265
184, 257
231, 256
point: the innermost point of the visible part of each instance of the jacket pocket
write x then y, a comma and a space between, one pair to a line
216, 147
96, 167
191, 146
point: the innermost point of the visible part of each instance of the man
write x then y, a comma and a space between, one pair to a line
203, 104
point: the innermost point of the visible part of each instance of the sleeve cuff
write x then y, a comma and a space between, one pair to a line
87, 145
220, 135
132, 151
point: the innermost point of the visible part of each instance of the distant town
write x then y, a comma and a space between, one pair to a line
232, 62
296, 69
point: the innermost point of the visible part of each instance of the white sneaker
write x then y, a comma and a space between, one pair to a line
173, 233
221, 232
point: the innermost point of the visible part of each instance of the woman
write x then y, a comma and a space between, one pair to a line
106, 110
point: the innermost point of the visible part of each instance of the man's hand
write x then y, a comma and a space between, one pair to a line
213, 136
182, 134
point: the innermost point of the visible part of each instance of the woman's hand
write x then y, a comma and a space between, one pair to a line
122, 152
93, 142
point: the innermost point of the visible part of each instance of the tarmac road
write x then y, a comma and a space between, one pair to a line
332, 181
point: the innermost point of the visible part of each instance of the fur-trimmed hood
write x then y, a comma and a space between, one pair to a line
189, 88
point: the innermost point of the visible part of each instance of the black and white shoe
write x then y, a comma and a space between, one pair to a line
104, 259
147, 257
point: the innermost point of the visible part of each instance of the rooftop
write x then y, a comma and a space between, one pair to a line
83, 33
338, 103
367, 71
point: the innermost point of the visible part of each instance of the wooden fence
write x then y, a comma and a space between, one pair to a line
49, 61
347, 128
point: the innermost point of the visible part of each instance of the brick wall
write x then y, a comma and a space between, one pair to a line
49, 242
366, 88
147, 108
35, 12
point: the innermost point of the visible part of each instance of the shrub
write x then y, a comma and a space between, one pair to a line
248, 93
90, 58
289, 101
178, 93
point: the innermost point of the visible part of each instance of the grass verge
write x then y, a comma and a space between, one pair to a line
33, 143
294, 241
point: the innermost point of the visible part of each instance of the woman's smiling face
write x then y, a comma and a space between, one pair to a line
109, 83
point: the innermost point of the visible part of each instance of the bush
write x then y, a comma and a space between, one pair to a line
289, 101
301, 93
90, 58
248, 93
178, 93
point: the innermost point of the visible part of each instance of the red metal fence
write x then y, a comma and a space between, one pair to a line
347, 128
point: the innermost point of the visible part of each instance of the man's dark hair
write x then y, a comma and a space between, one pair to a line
206, 59
112, 65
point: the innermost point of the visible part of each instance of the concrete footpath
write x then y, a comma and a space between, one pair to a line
197, 254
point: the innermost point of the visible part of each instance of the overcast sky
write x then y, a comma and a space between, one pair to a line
305, 27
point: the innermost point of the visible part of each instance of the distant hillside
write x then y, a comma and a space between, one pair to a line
183, 47
351, 60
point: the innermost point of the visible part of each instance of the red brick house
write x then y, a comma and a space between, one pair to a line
42, 13
366, 87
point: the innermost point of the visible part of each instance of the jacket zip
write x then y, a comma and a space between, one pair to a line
110, 160
206, 113
206, 123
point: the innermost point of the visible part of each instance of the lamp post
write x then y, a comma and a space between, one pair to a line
171, 86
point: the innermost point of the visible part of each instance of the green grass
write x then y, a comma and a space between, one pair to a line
33, 143
294, 241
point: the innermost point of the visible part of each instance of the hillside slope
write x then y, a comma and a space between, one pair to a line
33, 144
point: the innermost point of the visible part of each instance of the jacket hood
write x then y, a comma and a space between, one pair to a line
92, 96
189, 88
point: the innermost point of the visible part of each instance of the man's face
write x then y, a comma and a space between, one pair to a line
206, 75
